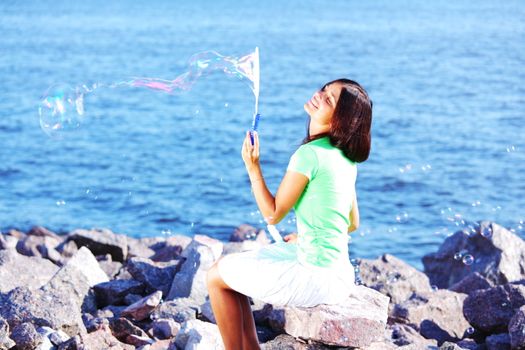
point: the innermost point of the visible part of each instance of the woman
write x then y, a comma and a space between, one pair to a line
313, 267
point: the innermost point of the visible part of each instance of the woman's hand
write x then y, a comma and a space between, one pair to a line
250, 154
291, 238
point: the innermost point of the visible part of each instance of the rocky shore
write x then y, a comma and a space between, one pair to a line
94, 289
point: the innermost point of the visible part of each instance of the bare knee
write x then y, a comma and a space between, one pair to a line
213, 278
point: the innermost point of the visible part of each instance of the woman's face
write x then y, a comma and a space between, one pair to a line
321, 106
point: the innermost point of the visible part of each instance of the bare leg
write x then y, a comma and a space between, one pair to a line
249, 334
227, 309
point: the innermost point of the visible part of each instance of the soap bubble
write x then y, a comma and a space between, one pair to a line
402, 217
470, 331
468, 259
486, 231
61, 109
434, 288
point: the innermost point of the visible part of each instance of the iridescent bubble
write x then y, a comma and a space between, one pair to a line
402, 217
61, 110
468, 259
60, 203
434, 288
486, 231
470, 331
458, 256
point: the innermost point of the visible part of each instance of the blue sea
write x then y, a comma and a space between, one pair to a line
447, 79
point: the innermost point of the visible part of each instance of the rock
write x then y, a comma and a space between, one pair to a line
132, 298
76, 278
101, 242
45, 333
165, 328
490, 310
58, 337
393, 277
517, 329
499, 342
154, 275
137, 248
143, 308
179, 310
111, 268
8, 242
243, 232
190, 281
199, 335
5, 341
3, 242
357, 322
284, 341
113, 292
170, 249
103, 340
127, 332
450, 346
67, 248
470, 344
436, 315
17, 270
43, 232
497, 254
40, 246
402, 334
73, 343
470, 283
158, 345
42, 308
207, 312
26, 337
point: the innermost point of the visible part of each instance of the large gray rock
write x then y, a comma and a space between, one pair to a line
169, 249
357, 322
102, 242
190, 281
113, 292
490, 310
393, 277
495, 253
517, 329
17, 270
59, 311
154, 275
436, 315
141, 309
165, 328
199, 335
40, 246
179, 310
26, 337
76, 278
470, 283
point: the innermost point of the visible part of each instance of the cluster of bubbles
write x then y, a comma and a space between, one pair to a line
409, 167
465, 257
62, 106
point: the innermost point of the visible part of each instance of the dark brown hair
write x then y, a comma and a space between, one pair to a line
351, 122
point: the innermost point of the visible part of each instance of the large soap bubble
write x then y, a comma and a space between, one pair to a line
61, 109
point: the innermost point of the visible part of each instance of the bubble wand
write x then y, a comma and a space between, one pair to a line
256, 82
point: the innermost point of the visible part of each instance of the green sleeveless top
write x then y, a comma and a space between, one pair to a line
323, 209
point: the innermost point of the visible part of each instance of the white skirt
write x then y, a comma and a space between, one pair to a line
273, 274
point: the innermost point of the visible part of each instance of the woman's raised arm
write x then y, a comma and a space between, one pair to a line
273, 209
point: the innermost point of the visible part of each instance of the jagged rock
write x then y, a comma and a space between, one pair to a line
67, 248
58, 337
137, 248
165, 328
284, 341
470, 344
73, 343
40, 244
450, 346
102, 340
402, 334
179, 310
42, 308
19, 270
101, 242
8, 242
76, 278
500, 341
357, 322
43, 232
190, 281
113, 292
199, 335
436, 315
132, 298
45, 333
490, 310
170, 249
5, 341
26, 337
111, 268
3, 242
393, 277
470, 283
143, 308
207, 312
154, 275
122, 328
497, 254
162, 344
517, 329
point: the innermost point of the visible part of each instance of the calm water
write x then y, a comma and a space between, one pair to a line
447, 80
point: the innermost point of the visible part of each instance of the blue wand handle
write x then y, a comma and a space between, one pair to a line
255, 125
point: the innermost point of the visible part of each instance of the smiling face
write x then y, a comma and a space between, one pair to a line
321, 107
